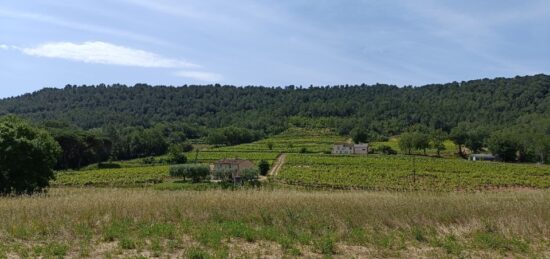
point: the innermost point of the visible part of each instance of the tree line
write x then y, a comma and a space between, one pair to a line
528, 141
100, 122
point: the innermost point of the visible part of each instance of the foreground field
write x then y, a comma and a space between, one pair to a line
106, 222
380, 172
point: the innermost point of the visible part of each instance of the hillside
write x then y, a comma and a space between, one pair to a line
383, 108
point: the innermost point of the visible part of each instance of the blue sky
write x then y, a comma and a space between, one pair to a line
51, 43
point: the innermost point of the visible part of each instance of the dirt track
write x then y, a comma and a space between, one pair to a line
277, 165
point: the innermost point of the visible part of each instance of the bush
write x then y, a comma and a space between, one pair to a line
224, 174
303, 150
148, 160
175, 155
186, 147
27, 157
263, 166
195, 172
250, 175
386, 150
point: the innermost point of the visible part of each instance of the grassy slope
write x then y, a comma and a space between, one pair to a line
130, 222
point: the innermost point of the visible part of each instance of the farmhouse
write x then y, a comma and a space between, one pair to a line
481, 157
348, 149
236, 166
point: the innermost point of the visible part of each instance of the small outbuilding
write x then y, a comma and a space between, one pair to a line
481, 157
349, 148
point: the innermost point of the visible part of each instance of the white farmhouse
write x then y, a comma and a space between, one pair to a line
348, 149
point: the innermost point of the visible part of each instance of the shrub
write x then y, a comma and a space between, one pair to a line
387, 150
27, 157
186, 147
263, 166
303, 150
250, 175
224, 174
148, 160
195, 172
175, 155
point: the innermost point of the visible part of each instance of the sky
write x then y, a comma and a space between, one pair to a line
52, 43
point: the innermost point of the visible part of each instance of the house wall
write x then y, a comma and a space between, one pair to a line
361, 149
341, 149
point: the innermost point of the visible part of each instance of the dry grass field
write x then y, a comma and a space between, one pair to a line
137, 223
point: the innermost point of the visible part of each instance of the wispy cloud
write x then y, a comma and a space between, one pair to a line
15, 14
200, 76
4, 46
105, 53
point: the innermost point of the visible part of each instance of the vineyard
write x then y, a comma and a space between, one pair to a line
378, 172
209, 156
315, 168
134, 176
292, 141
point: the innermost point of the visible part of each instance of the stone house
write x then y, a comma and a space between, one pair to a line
349, 149
236, 166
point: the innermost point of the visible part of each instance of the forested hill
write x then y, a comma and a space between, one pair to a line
382, 108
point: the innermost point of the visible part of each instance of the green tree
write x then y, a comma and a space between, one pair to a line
360, 135
27, 157
263, 166
475, 139
406, 142
250, 175
503, 146
421, 141
541, 147
176, 155
437, 140
195, 172
459, 135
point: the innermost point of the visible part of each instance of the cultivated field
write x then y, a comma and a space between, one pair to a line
107, 222
383, 172
318, 205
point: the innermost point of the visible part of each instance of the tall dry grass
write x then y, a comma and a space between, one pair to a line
413, 219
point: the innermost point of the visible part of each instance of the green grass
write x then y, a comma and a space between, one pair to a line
380, 172
132, 222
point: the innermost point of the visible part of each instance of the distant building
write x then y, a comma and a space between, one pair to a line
349, 149
236, 166
481, 157
362, 149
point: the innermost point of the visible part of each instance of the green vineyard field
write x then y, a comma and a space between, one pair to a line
210, 156
292, 141
378, 172
133, 176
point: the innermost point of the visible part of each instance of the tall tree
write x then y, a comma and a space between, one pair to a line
27, 158
437, 140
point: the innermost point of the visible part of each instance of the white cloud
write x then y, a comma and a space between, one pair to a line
4, 46
200, 76
105, 53
74, 25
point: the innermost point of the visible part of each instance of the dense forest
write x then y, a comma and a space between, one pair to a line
123, 122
